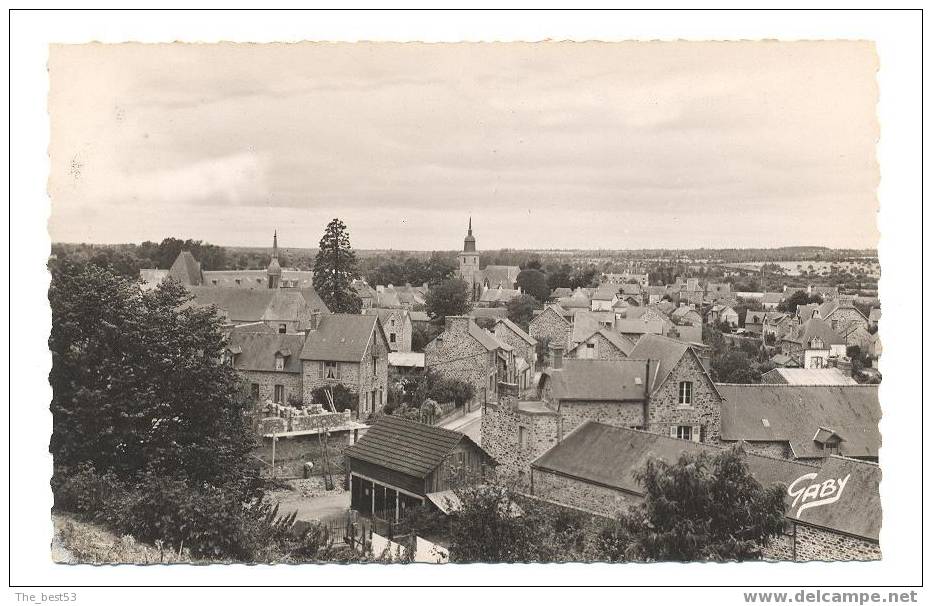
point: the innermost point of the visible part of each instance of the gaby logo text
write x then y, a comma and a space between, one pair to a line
815, 494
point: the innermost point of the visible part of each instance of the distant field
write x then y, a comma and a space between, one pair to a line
871, 267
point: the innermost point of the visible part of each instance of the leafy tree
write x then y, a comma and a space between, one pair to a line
701, 507
434, 386
558, 276
439, 268
138, 381
800, 297
521, 309
734, 367
343, 397
335, 270
485, 528
421, 334
448, 298
534, 283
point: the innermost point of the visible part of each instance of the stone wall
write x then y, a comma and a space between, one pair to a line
349, 377
619, 414
574, 493
373, 376
664, 409
522, 348
551, 326
457, 355
501, 431
267, 380
816, 544
603, 350
779, 450
292, 452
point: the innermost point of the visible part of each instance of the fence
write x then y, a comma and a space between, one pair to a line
450, 411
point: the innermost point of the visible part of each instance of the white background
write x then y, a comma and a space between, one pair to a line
898, 38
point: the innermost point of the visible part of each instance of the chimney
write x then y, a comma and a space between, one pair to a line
456, 324
556, 357
315, 319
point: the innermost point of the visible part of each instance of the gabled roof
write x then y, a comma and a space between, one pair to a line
639, 327
504, 275
243, 305
406, 446
772, 298
586, 322
257, 351
805, 312
340, 338
621, 342
609, 456
517, 330
832, 305
664, 354
605, 293
598, 380
812, 328
498, 295
558, 310
795, 412
493, 313
485, 339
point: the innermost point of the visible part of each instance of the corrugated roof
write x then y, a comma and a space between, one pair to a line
340, 338
258, 350
795, 412
605, 380
407, 446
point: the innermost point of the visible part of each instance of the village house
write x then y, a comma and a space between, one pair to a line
580, 299
771, 300
684, 314
846, 320
400, 297
283, 309
662, 386
722, 314
604, 298
466, 352
350, 350
601, 344
593, 470
525, 350
399, 464
270, 363
553, 326
655, 294
397, 326
625, 278
497, 297
813, 344
809, 422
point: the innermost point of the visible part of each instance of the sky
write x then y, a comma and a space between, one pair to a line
548, 145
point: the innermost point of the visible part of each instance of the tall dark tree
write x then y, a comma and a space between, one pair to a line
448, 298
534, 283
335, 270
138, 381
701, 507
521, 310
800, 297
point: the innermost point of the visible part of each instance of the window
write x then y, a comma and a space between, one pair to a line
684, 432
391, 338
279, 394
375, 364
522, 437
279, 362
214, 282
590, 345
817, 362
686, 393
330, 370
238, 281
392, 322
254, 388
282, 329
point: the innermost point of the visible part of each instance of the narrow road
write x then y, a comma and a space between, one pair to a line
469, 424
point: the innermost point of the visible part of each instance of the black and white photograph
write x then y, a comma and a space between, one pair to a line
377, 303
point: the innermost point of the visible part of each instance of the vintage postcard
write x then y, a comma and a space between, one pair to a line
465, 302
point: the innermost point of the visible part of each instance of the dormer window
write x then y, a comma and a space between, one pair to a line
282, 329
817, 343
238, 281
279, 363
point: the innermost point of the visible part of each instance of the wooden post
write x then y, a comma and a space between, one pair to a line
396, 506
373, 499
274, 440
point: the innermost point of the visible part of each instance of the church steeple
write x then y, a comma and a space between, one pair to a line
274, 271
469, 243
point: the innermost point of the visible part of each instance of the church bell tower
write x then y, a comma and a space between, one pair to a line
469, 259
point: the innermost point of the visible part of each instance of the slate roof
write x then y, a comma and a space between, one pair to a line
517, 330
498, 295
340, 338
812, 328
257, 350
805, 312
664, 353
604, 293
598, 380
556, 309
419, 316
772, 298
562, 291
639, 327
186, 270
242, 305
406, 446
795, 412
586, 322
609, 455
484, 338
494, 313
807, 376
858, 510
575, 301
504, 275
631, 289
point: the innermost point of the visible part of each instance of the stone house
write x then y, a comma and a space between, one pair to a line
466, 352
398, 464
284, 309
684, 314
809, 422
604, 298
592, 470
350, 350
525, 350
397, 326
662, 386
270, 363
771, 300
497, 297
846, 320
813, 344
552, 326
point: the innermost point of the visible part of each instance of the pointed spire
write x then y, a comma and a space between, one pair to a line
470, 225
275, 245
